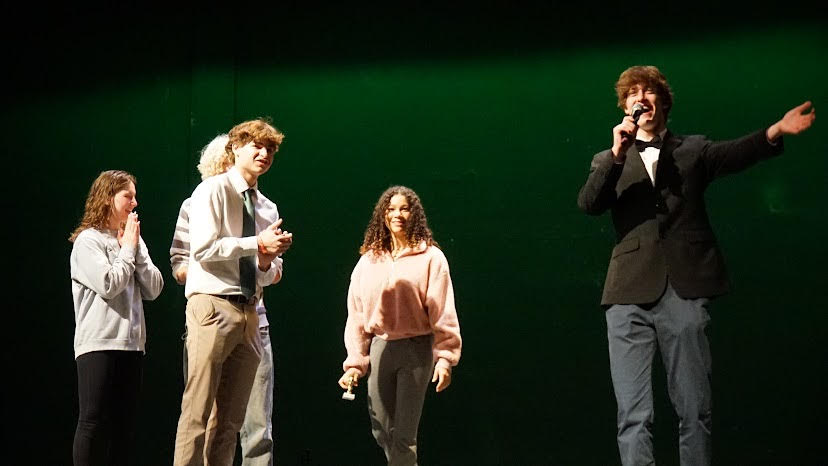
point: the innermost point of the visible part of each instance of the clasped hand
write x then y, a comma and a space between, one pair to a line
129, 234
273, 241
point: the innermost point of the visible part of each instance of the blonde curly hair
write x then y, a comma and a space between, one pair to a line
214, 158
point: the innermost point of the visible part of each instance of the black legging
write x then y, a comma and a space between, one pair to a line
108, 386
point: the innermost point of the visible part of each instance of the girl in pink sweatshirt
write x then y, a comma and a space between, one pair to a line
402, 324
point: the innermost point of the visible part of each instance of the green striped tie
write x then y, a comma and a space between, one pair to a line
247, 264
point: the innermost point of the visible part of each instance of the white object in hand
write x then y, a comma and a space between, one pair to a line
348, 395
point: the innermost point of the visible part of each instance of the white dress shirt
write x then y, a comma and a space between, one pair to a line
650, 157
215, 235
180, 253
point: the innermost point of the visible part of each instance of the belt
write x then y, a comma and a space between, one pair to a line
237, 298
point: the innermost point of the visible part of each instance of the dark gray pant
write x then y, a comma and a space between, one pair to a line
676, 326
397, 383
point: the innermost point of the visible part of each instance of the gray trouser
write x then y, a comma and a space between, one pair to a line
675, 326
257, 430
397, 383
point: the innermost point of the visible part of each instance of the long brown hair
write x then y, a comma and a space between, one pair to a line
377, 235
99, 202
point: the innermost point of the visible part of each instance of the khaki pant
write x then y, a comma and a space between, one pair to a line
223, 353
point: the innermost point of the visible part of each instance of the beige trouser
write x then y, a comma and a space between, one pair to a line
223, 352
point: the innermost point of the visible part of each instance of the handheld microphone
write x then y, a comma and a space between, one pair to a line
637, 110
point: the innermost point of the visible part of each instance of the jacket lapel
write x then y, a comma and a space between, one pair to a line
665, 157
635, 166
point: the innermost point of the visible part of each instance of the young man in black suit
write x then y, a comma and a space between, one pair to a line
666, 264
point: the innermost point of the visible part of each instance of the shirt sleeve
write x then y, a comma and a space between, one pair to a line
206, 243
147, 274
274, 273
267, 278
442, 314
728, 157
180, 247
598, 194
91, 267
357, 340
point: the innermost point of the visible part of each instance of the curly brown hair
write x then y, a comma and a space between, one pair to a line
648, 76
260, 131
377, 235
99, 201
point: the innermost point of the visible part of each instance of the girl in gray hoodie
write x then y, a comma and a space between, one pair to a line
111, 274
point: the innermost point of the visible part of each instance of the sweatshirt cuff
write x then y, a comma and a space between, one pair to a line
128, 252
360, 363
443, 363
142, 253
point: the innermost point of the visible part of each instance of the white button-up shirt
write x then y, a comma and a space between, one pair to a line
216, 241
650, 157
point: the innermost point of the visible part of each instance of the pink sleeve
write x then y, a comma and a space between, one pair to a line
442, 314
357, 340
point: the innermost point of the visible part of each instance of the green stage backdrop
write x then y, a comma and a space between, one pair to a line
493, 120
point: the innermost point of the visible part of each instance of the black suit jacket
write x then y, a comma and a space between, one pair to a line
663, 230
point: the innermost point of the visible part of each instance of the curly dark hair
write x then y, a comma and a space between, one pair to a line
377, 235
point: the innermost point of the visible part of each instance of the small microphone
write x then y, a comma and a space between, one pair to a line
637, 110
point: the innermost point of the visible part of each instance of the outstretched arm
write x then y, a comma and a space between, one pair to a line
795, 121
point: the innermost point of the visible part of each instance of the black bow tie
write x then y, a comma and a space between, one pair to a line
641, 145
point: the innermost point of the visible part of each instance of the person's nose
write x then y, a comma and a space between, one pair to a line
134, 202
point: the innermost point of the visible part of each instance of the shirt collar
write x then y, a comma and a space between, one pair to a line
660, 135
238, 182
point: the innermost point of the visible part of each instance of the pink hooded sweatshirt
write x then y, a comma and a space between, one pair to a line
402, 298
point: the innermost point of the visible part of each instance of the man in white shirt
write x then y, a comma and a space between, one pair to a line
235, 244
